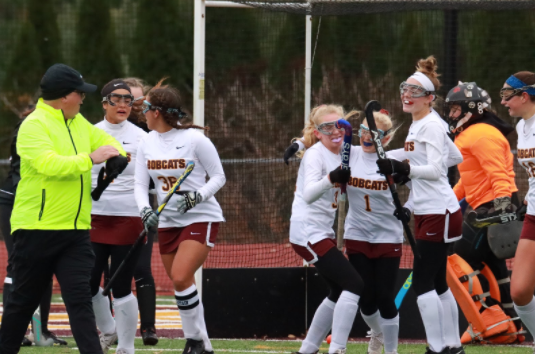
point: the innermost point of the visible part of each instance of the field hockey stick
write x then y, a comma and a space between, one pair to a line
189, 167
406, 286
342, 198
369, 109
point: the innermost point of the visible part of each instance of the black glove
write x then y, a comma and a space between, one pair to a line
406, 211
401, 179
391, 166
290, 151
521, 212
114, 167
340, 176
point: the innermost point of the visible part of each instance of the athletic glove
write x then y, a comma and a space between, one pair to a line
114, 167
187, 200
521, 212
290, 151
401, 179
405, 211
391, 166
340, 176
149, 218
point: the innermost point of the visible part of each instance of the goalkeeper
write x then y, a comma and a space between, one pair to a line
486, 177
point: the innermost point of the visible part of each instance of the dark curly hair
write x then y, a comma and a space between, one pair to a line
167, 99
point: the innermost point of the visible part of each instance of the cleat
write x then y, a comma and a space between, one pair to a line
122, 351
26, 342
106, 341
376, 342
339, 351
446, 350
459, 350
149, 336
54, 337
193, 346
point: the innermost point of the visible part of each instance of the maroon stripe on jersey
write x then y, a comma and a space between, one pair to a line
319, 248
374, 250
431, 227
115, 230
171, 237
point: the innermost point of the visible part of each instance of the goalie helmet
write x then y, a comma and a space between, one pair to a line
471, 99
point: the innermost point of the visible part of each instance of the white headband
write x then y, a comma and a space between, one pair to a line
424, 80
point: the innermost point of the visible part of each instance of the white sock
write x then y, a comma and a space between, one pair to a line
319, 328
188, 307
451, 320
103, 317
373, 321
343, 317
527, 315
433, 319
202, 326
390, 328
126, 321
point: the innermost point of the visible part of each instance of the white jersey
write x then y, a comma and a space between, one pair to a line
319, 193
526, 157
299, 206
427, 149
118, 198
371, 209
163, 157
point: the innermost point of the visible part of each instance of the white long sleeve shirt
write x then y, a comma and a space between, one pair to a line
163, 157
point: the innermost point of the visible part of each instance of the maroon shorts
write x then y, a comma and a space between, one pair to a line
171, 237
115, 230
528, 228
439, 228
374, 250
312, 251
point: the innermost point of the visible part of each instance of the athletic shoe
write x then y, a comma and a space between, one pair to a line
57, 341
26, 342
376, 342
193, 346
149, 336
394, 352
122, 351
446, 350
106, 341
339, 351
459, 350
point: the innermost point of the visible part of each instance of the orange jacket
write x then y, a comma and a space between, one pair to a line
487, 168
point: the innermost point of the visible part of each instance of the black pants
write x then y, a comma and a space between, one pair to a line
145, 287
474, 249
429, 271
123, 284
379, 276
37, 256
336, 270
5, 229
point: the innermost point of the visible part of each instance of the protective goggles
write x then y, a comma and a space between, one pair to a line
147, 106
507, 93
114, 99
414, 91
364, 130
328, 128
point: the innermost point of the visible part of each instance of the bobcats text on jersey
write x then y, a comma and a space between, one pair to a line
171, 164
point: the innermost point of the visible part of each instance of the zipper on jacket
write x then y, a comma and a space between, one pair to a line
81, 176
43, 198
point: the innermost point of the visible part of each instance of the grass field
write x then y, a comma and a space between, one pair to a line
166, 346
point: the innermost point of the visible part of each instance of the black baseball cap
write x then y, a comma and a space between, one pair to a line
60, 80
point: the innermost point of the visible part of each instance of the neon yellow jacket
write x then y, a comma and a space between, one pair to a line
54, 192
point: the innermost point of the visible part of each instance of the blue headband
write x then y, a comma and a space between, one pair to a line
516, 83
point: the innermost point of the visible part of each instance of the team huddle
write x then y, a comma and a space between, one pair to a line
373, 234
87, 201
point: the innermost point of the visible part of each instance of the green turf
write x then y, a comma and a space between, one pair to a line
271, 347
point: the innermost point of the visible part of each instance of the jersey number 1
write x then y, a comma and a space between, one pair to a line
367, 200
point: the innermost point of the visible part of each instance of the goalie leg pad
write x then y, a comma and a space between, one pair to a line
503, 239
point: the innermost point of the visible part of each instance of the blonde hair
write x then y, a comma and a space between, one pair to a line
428, 67
308, 138
137, 82
385, 122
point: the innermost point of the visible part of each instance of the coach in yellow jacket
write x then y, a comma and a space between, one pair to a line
52, 213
